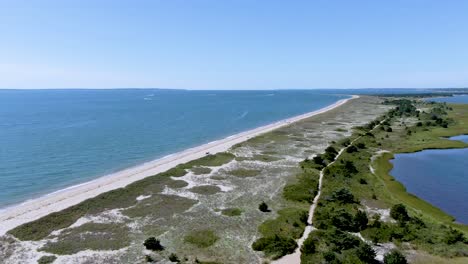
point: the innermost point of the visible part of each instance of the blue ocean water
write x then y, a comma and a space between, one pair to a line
457, 99
52, 139
437, 176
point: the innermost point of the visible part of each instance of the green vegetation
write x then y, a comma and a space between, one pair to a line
244, 173
349, 184
232, 211
395, 257
160, 205
46, 259
119, 198
154, 244
304, 190
275, 246
279, 234
206, 189
335, 246
200, 170
93, 236
173, 258
265, 158
201, 238
263, 207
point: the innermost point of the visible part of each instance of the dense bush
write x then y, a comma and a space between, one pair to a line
365, 253
153, 244
395, 257
453, 236
343, 196
343, 220
263, 207
351, 149
361, 145
275, 246
309, 246
173, 258
302, 191
399, 213
46, 259
343, 241
361, 220
319, 160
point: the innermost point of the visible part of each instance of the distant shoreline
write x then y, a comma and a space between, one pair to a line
31, 210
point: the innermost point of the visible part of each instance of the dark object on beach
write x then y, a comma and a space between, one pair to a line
263, 207
153, 244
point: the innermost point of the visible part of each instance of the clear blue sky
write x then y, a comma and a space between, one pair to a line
233, 44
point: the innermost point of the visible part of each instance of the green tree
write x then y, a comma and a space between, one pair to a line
343, 220
153, 244
361, 220
173, 258
319, 160
263, 207
453, 236
395, 257
275, 246
309, 246
399, 213
365, 253
351, 149
343, 196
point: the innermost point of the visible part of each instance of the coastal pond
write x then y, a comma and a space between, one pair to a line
456, 99
439, 176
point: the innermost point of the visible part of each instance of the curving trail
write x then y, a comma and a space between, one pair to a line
295, 258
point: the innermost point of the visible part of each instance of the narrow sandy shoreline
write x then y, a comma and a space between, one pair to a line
37, 208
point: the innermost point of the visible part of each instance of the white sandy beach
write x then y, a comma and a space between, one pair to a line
37, 208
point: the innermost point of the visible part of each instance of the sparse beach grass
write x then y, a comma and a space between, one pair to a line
206, 189
201, 238
232, 211
92, 236
241, 172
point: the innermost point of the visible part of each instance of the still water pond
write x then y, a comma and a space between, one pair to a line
437, 176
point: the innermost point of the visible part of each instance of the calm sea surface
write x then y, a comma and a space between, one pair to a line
458, 99
437, 176
52, 139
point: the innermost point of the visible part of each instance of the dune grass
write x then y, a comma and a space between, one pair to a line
118, 198
201, 238
232, 212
